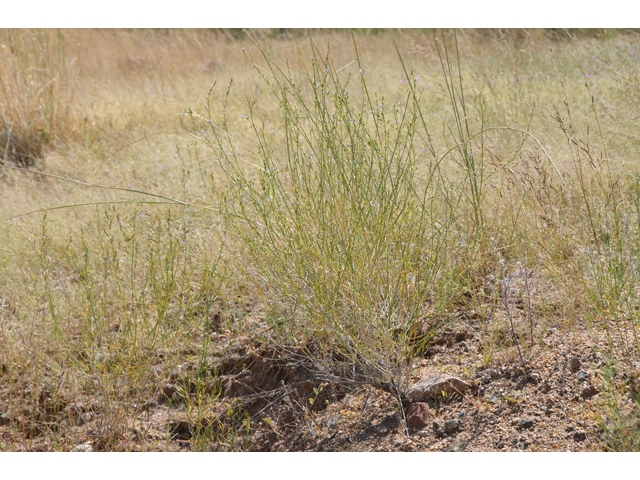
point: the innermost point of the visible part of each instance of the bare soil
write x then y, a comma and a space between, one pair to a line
549, 405
544, 393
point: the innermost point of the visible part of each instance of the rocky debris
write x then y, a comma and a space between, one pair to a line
574, 364
418, 415
434, 386
84, 447
448, 428
526, 423
259, 376
276, 386
536, 422
400, 440
589, 391
579, 436
451, 426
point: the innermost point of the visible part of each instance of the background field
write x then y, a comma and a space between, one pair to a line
141, 247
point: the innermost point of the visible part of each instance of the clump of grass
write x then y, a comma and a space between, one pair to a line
36, 93
117, 319
350, 229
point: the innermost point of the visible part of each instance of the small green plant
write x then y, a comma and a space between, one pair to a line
619, 417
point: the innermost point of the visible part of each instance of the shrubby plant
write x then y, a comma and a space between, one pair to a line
350, 228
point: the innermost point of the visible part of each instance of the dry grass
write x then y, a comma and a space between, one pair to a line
101, 302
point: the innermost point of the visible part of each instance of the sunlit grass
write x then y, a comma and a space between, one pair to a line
357, 184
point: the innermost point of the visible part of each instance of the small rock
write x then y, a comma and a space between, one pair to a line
85, 447
589, 391
579, 436
493, 398
545, 387
418, 415
582, 375
526, 423
500, 445
434, 386
574, 364
451, 426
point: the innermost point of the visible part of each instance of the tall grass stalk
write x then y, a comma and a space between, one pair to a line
461, 133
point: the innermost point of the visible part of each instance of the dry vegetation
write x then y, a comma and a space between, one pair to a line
155, 296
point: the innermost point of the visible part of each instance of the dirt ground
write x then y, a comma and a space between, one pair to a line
551, 405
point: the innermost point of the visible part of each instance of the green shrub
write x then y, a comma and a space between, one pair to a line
350, 228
